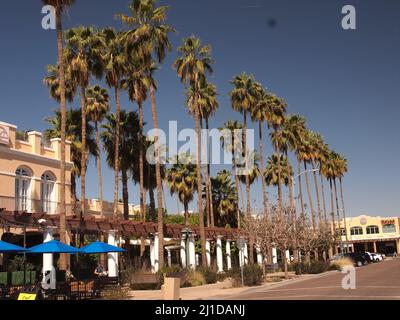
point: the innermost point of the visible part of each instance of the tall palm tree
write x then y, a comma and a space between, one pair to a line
60, 7
182, 180
271, 174
278, 113
97, 104
82, 54
192, 67
148, 41
231, 145
244, 98
129, 139
208, 105
342, 170
137, 84
114, 64
261, 113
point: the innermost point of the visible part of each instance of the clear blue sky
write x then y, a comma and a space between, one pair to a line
345, 82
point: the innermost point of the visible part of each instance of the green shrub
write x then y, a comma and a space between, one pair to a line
221, 277
316, 267
210, 276
195, 279
252, 275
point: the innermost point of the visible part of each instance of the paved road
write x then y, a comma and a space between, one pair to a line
374, 282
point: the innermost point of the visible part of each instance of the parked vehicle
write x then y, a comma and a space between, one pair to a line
377, 257
358, 259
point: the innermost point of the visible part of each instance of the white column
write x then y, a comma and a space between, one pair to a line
112, 257
246, 253
228, 255
240, 244
49, 281
183, 252
192, 253
274, 256
288, 256
169, 258
260, 259
220, 261
152, 255
208, 252
156, 253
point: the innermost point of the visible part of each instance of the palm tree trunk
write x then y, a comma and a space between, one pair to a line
83, 157
291, 199
237, 195
248, 199
338, 211
116, 156
199, 190
300, 189
160, 213
141, 164
262, 171
210, 220
125, 194
317, 194
186, 208
323, 198
343, 208
73, 193
309, 197
333, 215
152, 205
62, 209
280, 200
210, 196
99, 169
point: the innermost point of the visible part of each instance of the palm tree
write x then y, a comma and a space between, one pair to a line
230, 144
272, 171
342, 170
97, 104
244, 98
225, 199
208, 105
52, 81
73, 134
137, 84
60, 7
261, 113
182, 180
114, 64
82, 54
147, 40
278, 113
192, 66
128, 139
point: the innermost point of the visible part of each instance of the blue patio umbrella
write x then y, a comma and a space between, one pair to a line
53, 246
100, 247
10, 248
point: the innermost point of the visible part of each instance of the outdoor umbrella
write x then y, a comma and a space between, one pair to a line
53, 246
99, 248
10, 248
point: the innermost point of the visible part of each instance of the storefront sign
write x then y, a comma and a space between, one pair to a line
386, 222
4, 135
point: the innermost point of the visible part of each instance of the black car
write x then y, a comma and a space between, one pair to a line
358, 259
367, 257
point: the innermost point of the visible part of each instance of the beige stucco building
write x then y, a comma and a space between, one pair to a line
30, 172
372, 234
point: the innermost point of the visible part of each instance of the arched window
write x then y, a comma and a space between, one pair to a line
372, 230
23, 189
47, 193
356, 231
389, 228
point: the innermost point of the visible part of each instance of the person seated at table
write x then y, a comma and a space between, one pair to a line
100, 271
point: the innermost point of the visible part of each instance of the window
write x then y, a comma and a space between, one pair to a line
389, 228
356, 231
22, 190
372, 230
341, 232
47, 193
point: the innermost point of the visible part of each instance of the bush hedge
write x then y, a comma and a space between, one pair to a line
252, 275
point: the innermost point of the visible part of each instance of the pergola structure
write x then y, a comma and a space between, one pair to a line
117, 229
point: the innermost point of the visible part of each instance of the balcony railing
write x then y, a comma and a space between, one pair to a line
26, 204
